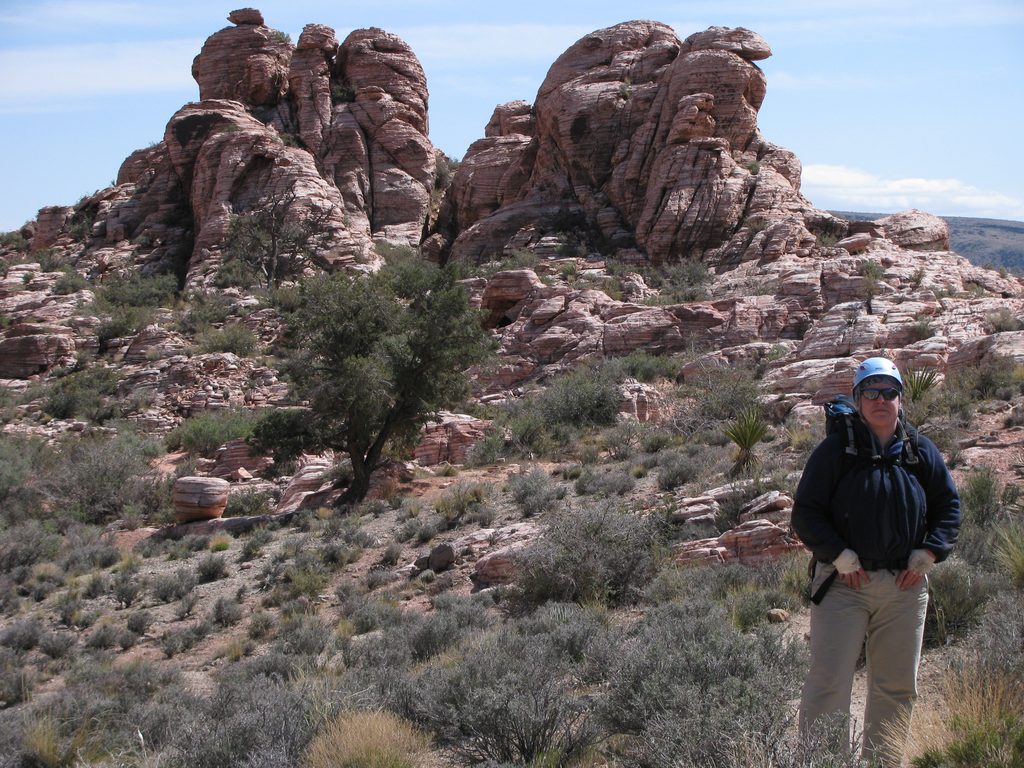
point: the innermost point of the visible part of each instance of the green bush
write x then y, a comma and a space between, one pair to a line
237, 339
985, 697
715, 395
645, 366
686, 683
101, 478
957, 598
211, 567
610, 482
248, 502
86, 394
582, 397
205, 433
981, 497
508, 700
138, 290
676, 469
599, 554
534, 492
121, 322
168, 587
679, 283
23, 462
70, 282
747, 430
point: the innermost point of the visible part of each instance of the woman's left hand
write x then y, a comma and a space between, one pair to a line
908, 579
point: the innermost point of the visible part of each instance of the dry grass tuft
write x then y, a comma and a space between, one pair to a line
367, 740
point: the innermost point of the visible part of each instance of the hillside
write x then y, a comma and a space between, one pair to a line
318, 449
985, 242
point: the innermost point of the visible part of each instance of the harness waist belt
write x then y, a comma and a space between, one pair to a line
882, 565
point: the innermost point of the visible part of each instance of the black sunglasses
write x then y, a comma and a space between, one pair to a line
890, 393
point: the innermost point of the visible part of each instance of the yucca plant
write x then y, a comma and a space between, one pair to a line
918, 381
746, 431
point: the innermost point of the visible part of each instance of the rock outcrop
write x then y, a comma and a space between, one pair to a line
334, 132
638, 142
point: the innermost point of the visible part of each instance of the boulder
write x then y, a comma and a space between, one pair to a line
199, 498
27, 354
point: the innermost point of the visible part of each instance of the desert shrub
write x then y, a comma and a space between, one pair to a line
747, 430
460, 501
86, 550
248, 502
177, 641
22, 635
107, 708
509, 700
367, 740
1010, 553
16, 681
121, 322
138, 290
139, 622
681, 282
600, 554
236, 338
985, 698
236, 273
644, 366
714, 395
86, 394
261, 624
205, 433
622, 440
104, 635
226, 612
100, 479
957, 598
168, 587
302, 636
1004, 320
684, 654
25, 544
995, 376
980, 497
369, 613
57, 645
204, 310
211, 567
126, 588
582, 397
22, 459
676, 469
252, 720
534, 492
609, 482
252, 545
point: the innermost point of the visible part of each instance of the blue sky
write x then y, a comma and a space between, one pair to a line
889, 104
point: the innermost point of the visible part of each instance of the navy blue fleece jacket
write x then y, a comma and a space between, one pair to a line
881, 508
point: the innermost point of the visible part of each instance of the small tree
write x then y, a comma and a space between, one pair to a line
378, 355
274, 239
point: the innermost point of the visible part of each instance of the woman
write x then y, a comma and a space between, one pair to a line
876, 518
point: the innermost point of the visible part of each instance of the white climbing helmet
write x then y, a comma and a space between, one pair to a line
877, 366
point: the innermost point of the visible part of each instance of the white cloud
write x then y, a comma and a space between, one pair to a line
36, 76
839, 187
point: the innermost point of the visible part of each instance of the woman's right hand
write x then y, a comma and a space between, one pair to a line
855, 579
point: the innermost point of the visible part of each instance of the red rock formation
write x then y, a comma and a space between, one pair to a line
639, 140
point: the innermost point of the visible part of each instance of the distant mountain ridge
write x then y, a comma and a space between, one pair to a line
984, 242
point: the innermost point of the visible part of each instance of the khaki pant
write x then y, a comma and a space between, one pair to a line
891, 622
